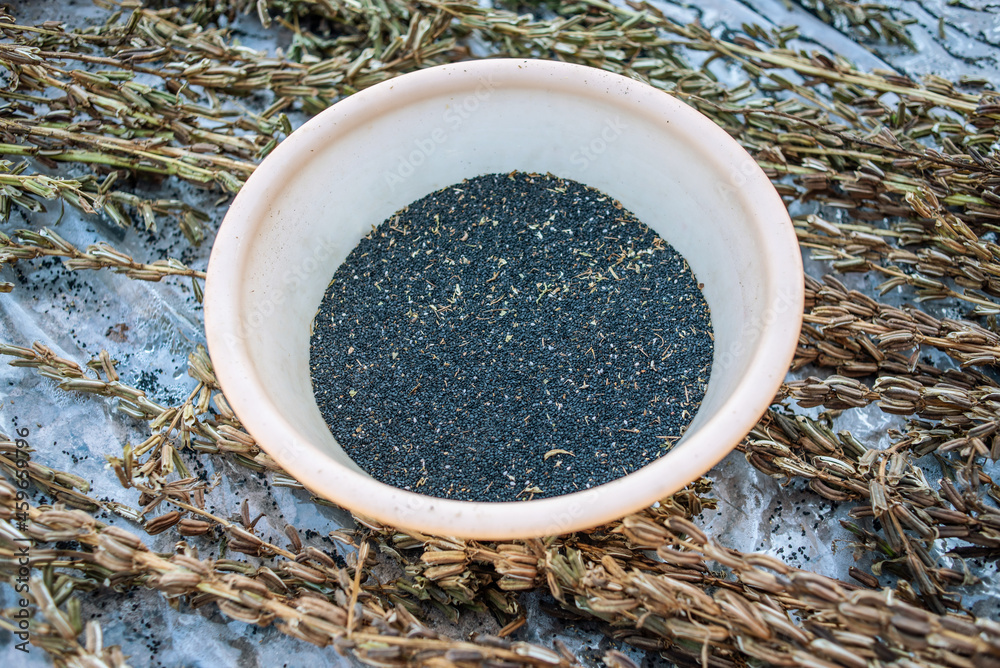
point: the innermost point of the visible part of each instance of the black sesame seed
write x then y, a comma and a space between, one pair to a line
509, 337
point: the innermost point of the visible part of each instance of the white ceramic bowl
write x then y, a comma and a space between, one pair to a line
314, 197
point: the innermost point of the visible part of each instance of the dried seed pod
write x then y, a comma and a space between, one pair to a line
678, 558
311, 553
304, 572
293, 536
438, 572
192, 527
243, 535
162, 523
443, 556
322, 609
176, 582
244, 583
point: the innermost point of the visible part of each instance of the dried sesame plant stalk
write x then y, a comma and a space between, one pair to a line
674, 603
171, 130
189, 422
894, 490
313, 599
869, 21
28, 245
902, 177
452, 574
59, 634
88, 194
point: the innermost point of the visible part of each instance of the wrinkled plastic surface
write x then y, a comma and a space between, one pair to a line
79, 314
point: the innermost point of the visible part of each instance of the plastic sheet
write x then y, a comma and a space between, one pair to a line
151, 327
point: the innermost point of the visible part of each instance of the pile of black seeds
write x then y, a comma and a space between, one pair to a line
510, 337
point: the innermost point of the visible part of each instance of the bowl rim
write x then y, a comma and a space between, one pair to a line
584, 509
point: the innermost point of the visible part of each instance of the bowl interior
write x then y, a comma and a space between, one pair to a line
324, 188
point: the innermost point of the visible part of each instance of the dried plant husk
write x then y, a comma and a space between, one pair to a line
902, 176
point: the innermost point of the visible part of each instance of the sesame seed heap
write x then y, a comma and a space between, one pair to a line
513, 336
